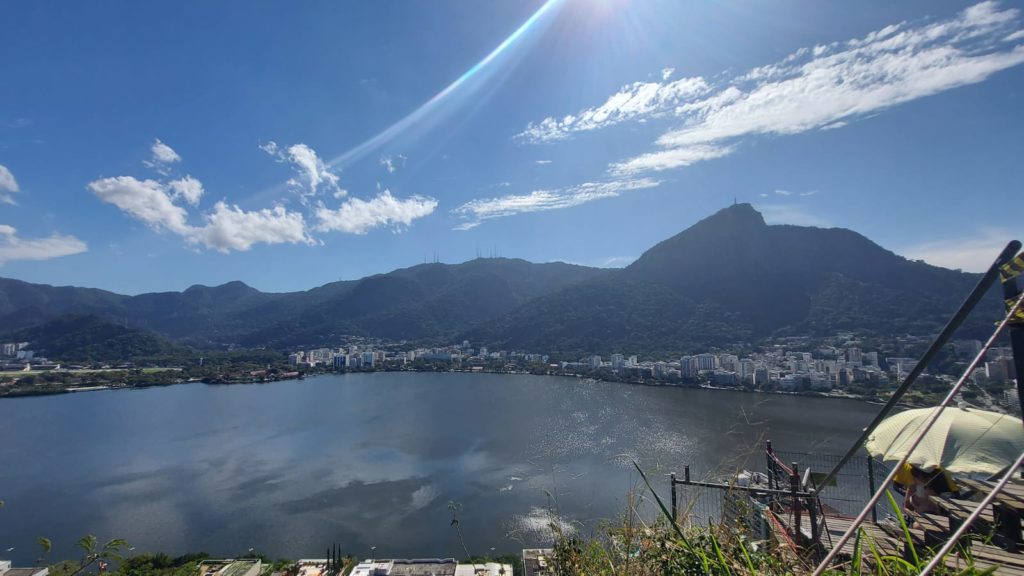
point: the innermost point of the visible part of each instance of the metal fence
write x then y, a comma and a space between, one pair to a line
853, 485
846, 495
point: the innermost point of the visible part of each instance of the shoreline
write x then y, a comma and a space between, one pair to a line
99, 388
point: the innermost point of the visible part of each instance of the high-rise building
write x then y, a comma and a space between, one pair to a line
706, 361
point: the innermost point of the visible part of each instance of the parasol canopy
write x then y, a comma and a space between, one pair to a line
962, 440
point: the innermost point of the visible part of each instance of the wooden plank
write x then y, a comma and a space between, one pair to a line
1011, 496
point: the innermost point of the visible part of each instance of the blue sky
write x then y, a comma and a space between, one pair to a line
152, 146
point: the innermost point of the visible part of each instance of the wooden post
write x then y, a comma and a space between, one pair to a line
794, 487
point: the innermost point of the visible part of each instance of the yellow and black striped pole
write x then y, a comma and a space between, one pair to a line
1012, 269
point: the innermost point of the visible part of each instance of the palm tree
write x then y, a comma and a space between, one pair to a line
44, 545
110, 551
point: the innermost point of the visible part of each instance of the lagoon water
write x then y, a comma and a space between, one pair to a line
371, 460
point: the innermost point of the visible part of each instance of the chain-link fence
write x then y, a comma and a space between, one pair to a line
846, 495
852, 487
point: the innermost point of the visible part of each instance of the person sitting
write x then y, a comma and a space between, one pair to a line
919, 486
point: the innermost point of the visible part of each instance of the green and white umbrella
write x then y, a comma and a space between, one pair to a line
962, 440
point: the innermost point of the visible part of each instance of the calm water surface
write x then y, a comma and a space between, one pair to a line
369, 459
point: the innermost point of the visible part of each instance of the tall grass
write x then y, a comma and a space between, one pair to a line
633, 547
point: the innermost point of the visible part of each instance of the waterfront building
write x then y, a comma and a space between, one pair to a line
761, 376
706, 362
429, 567
230, 567
7, 570
536, 561
745, 370
483, 569
723, 378
688, 366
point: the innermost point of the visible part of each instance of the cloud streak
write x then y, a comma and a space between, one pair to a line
815, 88
357, 216
476, 211
8, 186
971, 253
13, 247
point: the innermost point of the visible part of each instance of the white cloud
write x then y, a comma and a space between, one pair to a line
392, 163
971, 254
8, 185
14, 248
791, 214
162, 205
783, 193
270, 147
146, 200
312, 170
814, 88
631, 102
188, 189
311, 166
357, 216
481, 209
668, 159
542, 162
161, 155
666, 73
231, 228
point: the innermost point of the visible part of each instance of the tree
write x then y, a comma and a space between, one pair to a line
110, 551
44, 545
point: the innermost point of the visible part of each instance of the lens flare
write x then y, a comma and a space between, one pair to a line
431, 106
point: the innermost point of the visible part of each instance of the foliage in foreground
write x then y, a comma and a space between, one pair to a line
632, 547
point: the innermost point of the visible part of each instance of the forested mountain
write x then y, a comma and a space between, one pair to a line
429, 301
729, 278
86, 338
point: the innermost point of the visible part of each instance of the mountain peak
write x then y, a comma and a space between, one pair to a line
740, 215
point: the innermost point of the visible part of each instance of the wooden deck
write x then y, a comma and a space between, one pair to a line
889, 542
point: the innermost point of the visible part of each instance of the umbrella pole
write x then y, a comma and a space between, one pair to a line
965, 309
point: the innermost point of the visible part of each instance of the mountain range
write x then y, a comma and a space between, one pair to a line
729, 278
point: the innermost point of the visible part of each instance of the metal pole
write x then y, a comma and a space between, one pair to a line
919, 435
794, 487
961, 314
675, 507
812, 515
871, 486
1010, 293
